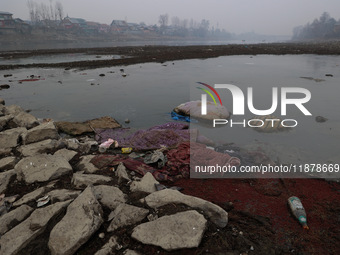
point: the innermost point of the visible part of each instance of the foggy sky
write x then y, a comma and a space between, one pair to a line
275, 17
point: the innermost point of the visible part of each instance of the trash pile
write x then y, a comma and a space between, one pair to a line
95, 187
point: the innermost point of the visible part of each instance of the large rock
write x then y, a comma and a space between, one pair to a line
146, 184
42, 168
126, 215
4, 120
121, 173
20, 236
38, 148
62, 195
66, 154
24, 119
32, 196
81, 181
131, 252
5, 152
13, 218
7, 163
83, 218
215, 213
109, 196
12, 109
85, 164
5, 179
178, 231
42, 132
109, 247
193, 109
10, 138
79, 128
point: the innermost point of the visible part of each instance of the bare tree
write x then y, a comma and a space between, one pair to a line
175, 21
59, 10
163, 20
44, 12
31, 10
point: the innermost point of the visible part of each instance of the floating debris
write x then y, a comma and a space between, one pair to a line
313, 79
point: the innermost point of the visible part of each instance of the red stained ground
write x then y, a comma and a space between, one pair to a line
268, 197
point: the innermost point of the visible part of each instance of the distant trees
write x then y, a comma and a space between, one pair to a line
44, 11
184, 27
163, 20
325, 27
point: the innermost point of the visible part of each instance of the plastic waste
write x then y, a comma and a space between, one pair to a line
43, 201
298, 210
105, 145
176, 116
126, 150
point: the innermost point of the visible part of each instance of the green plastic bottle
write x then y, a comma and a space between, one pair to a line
298, 211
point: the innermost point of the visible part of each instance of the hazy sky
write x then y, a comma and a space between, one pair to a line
277, 17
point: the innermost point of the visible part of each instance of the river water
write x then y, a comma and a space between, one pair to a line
150, 91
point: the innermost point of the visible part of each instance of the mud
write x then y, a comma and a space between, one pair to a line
144, 54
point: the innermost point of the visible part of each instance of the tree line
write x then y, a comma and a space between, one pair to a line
186, 27
324, 27
45, 11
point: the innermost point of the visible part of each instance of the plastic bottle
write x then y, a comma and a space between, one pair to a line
298, 211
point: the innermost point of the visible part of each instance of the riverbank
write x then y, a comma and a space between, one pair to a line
145, 54
123, 211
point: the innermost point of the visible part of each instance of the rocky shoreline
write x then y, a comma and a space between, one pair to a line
54, 200
145, 54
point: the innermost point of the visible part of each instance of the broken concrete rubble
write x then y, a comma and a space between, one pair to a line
81, 181
215, 213
125, 215
41, 168
20, 236
146, 184
14, 217
42, 132
83, 218
178, 231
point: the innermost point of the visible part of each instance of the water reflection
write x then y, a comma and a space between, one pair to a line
150, 91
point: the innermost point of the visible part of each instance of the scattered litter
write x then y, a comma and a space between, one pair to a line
108, 143
32, 79
43, 201
101, 235
176, 116
156, 157
126, 150
127, 121
298, 211
91, 80
136, 155
329, 75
